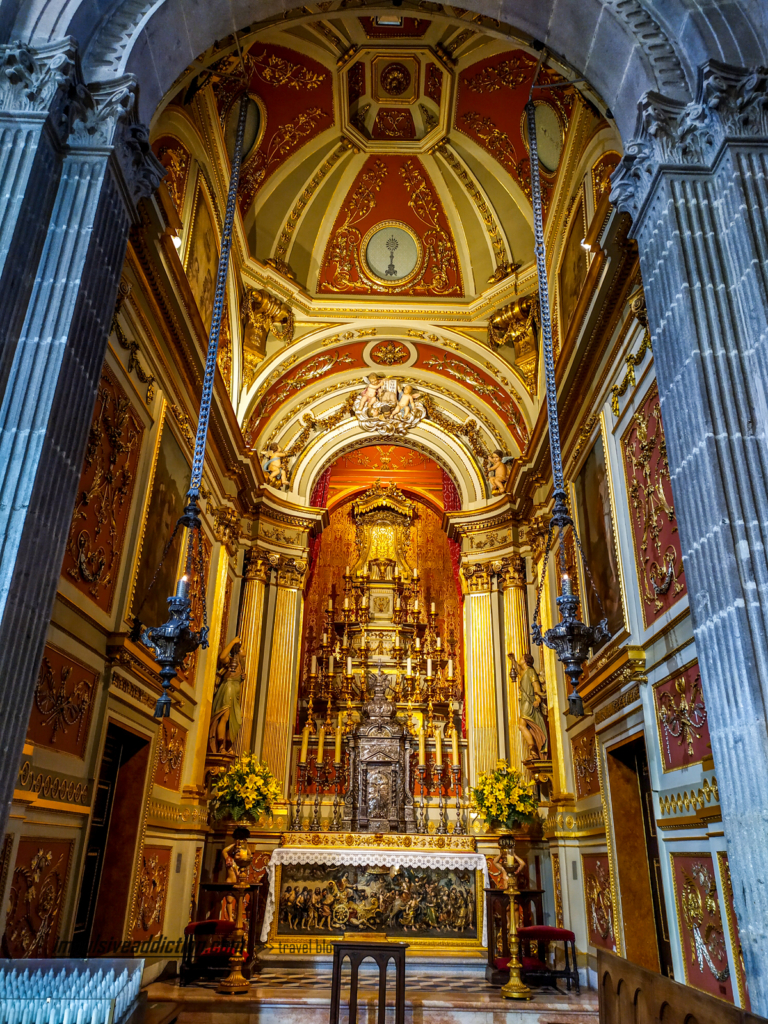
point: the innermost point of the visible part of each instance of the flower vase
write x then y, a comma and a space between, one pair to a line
514, 988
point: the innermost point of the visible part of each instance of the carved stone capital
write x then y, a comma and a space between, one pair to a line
477, 576
291, 572
513, 572
226, 527
257, 566
731, 103
516, 324
30, 77
262, 313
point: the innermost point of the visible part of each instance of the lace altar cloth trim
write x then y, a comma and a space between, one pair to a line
374, 858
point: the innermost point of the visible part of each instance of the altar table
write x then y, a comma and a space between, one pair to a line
407, 887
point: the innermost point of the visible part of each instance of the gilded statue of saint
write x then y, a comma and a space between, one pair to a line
226, 716
533, 711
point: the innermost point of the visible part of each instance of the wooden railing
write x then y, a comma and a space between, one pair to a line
633, 995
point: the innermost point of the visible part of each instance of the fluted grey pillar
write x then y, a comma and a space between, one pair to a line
50, 388
694, 182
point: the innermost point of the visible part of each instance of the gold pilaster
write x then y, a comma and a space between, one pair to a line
254, 593
478, 671
517, 643
280, 712
221, 561
549, 663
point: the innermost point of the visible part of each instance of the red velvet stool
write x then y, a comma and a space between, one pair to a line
535, 969
207, 949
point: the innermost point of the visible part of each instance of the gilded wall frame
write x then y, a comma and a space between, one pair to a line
601, 435
572, 250
202, 194
416, 946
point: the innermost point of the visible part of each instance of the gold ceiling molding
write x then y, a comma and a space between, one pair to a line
498, 244
281, 249
637, 305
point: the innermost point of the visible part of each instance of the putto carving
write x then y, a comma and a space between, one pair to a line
262, 313
385, 408
730, 102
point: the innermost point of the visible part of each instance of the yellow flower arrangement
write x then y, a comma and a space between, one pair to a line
245, 790
503, 798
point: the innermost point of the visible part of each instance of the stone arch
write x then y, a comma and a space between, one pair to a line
156, 39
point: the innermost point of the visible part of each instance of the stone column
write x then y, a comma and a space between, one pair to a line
52, 376
517, 641
479, 676
694, 182
282, 692
257, 570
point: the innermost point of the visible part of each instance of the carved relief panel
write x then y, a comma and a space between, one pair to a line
584, 751
38, 890
92, 556
62, 705
681, 716
733, 928
171, 744
599, 901
699, 919
658, 554
151, 892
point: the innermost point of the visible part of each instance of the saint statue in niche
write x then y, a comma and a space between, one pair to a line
385, 408
226, 716
533, 711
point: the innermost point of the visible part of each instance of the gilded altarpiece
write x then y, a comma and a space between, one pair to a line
38, 890
598, 901
700, 921
94, 546
151, 892
658, 554
681, 716
62, 704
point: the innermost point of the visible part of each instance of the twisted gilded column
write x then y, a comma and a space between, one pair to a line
256, 574
479, 676
517, 639
283, 684
695, 183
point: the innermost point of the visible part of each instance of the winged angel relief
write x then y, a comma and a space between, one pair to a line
384, 408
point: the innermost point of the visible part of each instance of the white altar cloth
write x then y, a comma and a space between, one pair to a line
376, 858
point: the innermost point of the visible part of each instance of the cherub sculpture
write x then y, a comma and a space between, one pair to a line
499, 471
272, 463
383, 408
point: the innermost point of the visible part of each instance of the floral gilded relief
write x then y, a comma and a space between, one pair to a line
152, 892
38, 887
699, 918
176, 159
733, 929
681, 715
62, 704
658, 553
599, 901
94, 546
584, 750
171, 744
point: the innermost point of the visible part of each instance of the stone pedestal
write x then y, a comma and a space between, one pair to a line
694, 182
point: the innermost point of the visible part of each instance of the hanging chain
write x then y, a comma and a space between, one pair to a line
218, 308
546, 323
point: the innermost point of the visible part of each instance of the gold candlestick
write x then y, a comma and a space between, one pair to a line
514, 988
235, 983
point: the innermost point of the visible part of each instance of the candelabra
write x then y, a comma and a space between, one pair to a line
422, 825
296, 823
320, 777
442, 813
514, 988
458, 828
570, 639
337, 780
235, 983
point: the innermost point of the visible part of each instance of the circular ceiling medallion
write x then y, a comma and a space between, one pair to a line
391, 252
395, 78
390, 353
549, 135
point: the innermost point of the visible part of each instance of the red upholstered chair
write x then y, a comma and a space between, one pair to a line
207, 949
534, 969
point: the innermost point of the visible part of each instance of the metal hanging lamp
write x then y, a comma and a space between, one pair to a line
175, 638
571, 639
